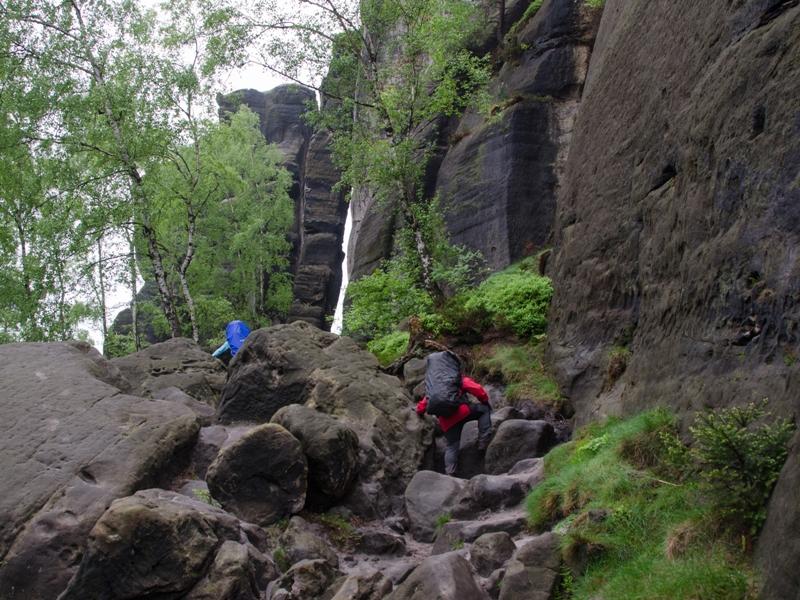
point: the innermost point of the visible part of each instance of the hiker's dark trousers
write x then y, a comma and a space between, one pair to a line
477, 412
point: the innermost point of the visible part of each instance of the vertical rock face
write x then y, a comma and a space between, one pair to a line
498, 176
499, 179
677, 228
319, 211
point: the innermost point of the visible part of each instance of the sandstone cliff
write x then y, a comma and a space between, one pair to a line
320, 211
497, 176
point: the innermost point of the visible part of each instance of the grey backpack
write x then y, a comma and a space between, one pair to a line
443, 383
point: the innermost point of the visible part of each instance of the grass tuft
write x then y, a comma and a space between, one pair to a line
628, 532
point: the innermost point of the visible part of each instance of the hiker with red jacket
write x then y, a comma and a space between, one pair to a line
445, 397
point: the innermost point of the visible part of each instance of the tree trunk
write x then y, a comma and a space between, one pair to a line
134, 302
187, 260
101, 280
135, 178
164, 292
424, 255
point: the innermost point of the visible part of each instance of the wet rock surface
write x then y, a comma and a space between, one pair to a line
430, 499
331, 449
300, 364
70, 443
177, 363
446, 576
516, 440
158, 542
261, 477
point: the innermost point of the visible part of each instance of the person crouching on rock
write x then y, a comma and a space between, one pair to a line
235, 334
445, 397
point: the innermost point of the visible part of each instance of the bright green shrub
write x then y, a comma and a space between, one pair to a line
213, 313
389, 347
115, 345
379, 301
740, 454
515, 299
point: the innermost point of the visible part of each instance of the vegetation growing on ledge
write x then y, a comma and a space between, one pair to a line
521, 367
641, 515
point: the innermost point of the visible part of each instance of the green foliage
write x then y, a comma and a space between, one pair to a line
389, 347
205, 496
281, 558
382, 299
442, 520
340, 531
213, 313
521, 367
618, 359
740, 451
116, 345
628, 533
515, 299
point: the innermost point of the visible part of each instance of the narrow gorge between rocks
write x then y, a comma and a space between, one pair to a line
616, 210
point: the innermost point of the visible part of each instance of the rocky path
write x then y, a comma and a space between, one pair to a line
313, 478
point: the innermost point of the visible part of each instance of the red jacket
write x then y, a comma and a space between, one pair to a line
469, 386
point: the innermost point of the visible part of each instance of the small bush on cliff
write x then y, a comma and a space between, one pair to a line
523, 370
389, 347
740, 453
515, 299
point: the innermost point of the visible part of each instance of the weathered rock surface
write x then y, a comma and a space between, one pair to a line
498, 178
159, 543
306, 580
299, 363
444, 577
516, 440
301, 541
210, 441
533, 572
430, 497
679, 223
490, 552
331, 449
178, 363
70, 443
491, 492
320, 212
375, 542
359, 587
779, 542
262, 476
456, 533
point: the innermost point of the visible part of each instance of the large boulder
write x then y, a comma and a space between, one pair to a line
70, 443
516, 440
331, 449
262, 476
444, 577
178, 363
271, 370
210, 441
159, 543
430, 499
300, 364
533, 571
